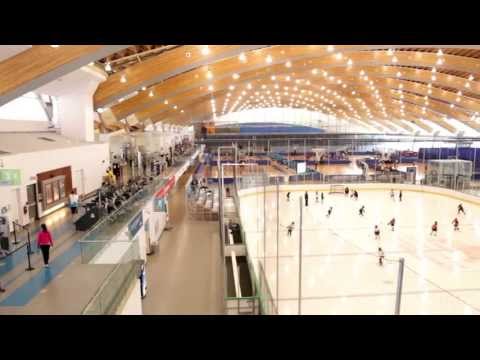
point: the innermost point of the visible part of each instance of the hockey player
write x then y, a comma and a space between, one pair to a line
434, 228
381, 256
361, 212
392, 224
290, 228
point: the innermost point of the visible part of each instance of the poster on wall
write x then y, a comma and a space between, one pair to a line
160, 205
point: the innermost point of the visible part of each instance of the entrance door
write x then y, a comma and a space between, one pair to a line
32, 202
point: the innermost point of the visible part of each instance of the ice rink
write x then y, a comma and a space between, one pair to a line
340, 271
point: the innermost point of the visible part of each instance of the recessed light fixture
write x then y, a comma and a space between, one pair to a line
123, 79
108, 67
166, 102
288, 64
235, 76
54, 46
269, 59
205, 50
209, 74
330, 48
210, 87
150, 93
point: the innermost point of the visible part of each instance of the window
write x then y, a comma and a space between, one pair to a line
53, 191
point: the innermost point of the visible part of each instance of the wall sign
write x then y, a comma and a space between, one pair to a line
10, 177
136, 224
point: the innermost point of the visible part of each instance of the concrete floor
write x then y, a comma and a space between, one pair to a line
184, 275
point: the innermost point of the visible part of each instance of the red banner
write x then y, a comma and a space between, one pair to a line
166, 188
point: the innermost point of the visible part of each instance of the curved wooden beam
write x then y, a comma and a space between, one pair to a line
42, 64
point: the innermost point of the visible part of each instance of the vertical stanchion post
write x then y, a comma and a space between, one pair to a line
264, 226
401, 265
278, 243
29, 251
15, 242
300, 259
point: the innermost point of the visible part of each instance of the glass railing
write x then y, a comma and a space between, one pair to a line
97, 247
125, 255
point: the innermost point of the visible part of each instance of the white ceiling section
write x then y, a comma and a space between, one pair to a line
7, 51
72, 82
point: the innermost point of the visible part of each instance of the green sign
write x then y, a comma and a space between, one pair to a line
9, 177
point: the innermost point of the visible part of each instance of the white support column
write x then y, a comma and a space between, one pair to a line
75, 104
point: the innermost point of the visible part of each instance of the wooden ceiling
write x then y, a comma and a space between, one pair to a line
384, 86
391, 86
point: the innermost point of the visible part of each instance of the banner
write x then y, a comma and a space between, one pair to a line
166, 188
10, 177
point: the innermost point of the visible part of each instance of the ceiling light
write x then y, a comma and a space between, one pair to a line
288, 64
314, 71
242, 57
390, 52
349, 62
249, 86
399, 74
434, 69
273, 78
123, 79
100, 110
434, 78
166, 102
231, 87
338, 56
144, 88
54, 46
439, 61
471, 78
362, 73
235, 76
205, 50
330, 48
467, 84
269, 59
108, 67
394, 60
150, 93
209, 74
182, 111
439, 52
210, 88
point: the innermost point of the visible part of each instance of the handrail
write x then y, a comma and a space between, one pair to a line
236, 276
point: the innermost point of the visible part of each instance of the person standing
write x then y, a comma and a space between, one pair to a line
73, 200
400, 196
347, 190
316, 196
306, 198
45, 242
377, 233
392, 195
321, 197
460, 209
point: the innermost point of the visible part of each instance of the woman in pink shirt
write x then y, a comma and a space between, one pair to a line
44, 242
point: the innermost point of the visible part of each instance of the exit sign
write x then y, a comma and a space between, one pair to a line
10, 177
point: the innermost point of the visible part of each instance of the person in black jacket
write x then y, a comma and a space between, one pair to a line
306, 198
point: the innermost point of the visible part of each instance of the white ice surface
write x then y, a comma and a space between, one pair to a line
340, 273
